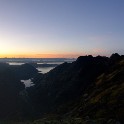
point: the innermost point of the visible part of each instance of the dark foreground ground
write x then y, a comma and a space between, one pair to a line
87, 91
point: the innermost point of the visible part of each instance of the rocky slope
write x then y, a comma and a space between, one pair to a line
90, 88
87, 91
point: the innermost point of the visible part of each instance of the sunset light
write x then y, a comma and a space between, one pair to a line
61, 61
49, 28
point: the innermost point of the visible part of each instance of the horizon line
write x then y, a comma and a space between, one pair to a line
68, 55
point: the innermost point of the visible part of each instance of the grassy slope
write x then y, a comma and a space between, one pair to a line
102, 103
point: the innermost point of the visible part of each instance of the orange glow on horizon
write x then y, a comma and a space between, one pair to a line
39, 55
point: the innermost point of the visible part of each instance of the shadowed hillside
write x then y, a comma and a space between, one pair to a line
13, 104
87, 91
90, 88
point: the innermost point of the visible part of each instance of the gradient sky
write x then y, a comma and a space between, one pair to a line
61, 28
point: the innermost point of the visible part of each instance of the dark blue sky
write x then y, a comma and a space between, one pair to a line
65, 27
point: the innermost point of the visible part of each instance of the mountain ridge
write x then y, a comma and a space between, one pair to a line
58, 90
86, 91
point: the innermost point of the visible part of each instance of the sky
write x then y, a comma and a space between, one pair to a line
61, 28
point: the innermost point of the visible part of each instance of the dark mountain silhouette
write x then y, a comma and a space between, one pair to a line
12, 102
82, 89
24, 71
87, 91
